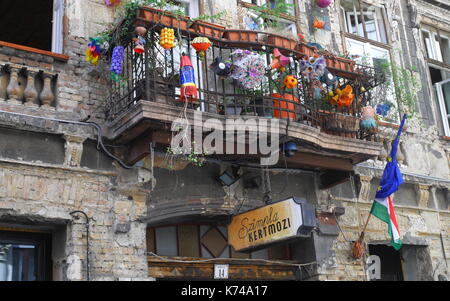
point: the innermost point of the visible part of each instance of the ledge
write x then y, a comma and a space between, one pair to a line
56, 56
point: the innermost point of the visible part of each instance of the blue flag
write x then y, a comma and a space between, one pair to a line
392, 177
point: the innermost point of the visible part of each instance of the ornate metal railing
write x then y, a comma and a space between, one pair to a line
154, 76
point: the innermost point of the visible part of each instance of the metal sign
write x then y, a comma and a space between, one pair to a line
373, 267
269, 224
221, 271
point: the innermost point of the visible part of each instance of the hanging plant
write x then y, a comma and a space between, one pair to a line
117, 63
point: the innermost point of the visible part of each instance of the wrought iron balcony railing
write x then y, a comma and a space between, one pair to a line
154, 76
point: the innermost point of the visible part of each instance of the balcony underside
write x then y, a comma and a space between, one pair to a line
150, 122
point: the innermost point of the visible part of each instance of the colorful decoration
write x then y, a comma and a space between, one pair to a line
117, 62
383, 109
187, 80
288, 106
290, 81
167, 38
201, 44
319, 24
93, 51
112, 2
313, 67
344, 97
279, 61
368, 118
328, 78
323, 3
220, 68
248, 69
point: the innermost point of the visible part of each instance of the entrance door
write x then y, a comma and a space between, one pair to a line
391, 267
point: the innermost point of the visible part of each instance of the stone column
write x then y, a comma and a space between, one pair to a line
423, 194
3, 83
365, 182
30, 92
47, 97
74, 150
13, 89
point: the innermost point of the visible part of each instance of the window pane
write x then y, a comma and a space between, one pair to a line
445, 45
166, 241
188, 241
427, 41
17, 262
437, 49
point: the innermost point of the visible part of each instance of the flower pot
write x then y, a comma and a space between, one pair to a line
289, 107
163, 17
241, 37
207, 29
281, 42
233, 110
304, 49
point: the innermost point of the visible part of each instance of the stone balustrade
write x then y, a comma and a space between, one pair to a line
27, 86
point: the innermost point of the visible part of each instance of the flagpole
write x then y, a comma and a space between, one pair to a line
357, 248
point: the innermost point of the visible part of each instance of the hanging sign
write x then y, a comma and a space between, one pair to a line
270, 224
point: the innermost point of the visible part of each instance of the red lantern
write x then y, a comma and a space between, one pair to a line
201, 44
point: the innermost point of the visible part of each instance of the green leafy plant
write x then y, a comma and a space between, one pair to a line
271, 11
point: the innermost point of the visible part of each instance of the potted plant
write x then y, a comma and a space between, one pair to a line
167, 18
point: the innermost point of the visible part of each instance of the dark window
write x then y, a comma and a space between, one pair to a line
25, 256
27, 23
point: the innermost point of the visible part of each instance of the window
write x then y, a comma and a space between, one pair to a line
443, 95
25, 256
391, 266
204, 241
367, 54
437, 44
364, 21
286, 22
36, 24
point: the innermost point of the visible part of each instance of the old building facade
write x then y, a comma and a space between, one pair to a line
89, 191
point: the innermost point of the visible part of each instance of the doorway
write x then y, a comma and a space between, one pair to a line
391, 266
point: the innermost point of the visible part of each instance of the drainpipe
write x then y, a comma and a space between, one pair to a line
87, 238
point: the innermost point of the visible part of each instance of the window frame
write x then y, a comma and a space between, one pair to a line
345, 24
434, 33
442, 107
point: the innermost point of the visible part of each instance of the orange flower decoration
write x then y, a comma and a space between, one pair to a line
343, 98
290, 82
319, 24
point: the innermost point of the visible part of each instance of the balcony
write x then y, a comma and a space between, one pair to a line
146, 98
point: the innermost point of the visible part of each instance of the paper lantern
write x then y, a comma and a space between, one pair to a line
323, 3
279, 61
290, 82
93, 51
112, 2
187, 80
167, 38
201, 44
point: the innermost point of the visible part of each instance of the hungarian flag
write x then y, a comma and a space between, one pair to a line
383, 207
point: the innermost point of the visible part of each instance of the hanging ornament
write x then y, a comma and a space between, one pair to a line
93, 51
383, 109
117, 62
112, 2
290, 82
323, 3
279, 61
248, 69
167, 38
220, 68
344, 97
319, 24
313, 67
139, 41
368, 118
187, 80
328, 78
201, 44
